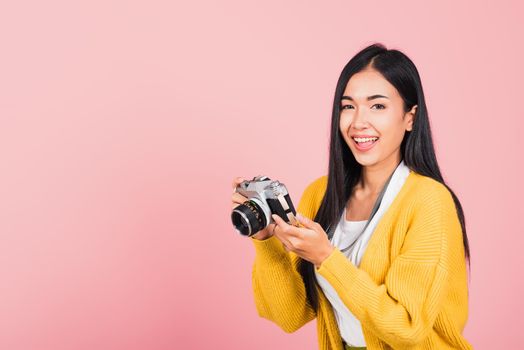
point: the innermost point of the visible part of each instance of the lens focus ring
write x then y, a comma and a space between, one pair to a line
248, 218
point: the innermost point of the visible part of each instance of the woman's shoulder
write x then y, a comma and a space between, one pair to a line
427, 189
318, 183
316, 188
312, 196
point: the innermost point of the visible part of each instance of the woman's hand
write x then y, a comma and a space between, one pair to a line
310, 242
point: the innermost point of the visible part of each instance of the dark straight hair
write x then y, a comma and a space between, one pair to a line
416, 148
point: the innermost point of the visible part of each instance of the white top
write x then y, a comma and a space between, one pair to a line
346, 233
349, 326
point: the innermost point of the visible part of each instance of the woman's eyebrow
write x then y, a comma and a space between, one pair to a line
369, 98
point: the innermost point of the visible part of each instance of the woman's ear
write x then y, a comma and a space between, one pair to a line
411, 117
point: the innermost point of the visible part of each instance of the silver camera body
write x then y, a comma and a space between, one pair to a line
264, 198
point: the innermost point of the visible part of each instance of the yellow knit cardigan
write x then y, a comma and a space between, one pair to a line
410, 290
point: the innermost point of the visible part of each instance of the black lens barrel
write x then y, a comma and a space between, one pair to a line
248, 215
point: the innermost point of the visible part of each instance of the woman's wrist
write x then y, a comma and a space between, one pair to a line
324, 255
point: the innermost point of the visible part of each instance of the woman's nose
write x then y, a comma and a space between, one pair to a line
360, 117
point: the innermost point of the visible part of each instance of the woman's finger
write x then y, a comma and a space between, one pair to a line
277, 232
291, 243
287, 229
237, 181
238, 198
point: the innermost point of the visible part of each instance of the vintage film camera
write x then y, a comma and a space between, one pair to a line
265, 197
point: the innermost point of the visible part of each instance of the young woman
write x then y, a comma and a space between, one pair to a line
379, 254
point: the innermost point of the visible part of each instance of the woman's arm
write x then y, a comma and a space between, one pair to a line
280, 294
279, 291
403, 309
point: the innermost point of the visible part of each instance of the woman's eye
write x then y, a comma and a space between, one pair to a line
378, 105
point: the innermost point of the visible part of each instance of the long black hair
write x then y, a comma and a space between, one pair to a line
416, 148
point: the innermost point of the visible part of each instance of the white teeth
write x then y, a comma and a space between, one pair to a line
358, 139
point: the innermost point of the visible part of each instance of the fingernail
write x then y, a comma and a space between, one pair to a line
299, 216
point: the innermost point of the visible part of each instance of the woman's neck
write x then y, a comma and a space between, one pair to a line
375, 176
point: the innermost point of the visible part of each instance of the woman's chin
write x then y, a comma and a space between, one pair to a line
366, 160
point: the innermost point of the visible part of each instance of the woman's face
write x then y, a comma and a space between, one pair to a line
372, 107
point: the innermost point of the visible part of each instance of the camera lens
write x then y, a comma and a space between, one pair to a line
248, 218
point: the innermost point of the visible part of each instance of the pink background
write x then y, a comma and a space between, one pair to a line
123, 124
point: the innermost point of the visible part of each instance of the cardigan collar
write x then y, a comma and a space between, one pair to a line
391, 188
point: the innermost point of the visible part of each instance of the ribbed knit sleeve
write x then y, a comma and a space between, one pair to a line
279, 291
403, 309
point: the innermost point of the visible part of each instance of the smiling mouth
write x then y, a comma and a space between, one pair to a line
365, 143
